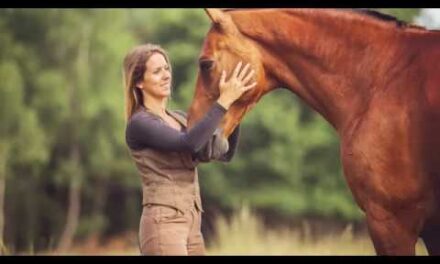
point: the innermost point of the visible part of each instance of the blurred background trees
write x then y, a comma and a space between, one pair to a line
65, 171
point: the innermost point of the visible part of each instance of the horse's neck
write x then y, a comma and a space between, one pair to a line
331, 64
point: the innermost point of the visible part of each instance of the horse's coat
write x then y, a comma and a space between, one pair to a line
374, 79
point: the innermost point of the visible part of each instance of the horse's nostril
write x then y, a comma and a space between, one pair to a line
206, 64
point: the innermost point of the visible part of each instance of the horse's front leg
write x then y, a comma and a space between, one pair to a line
393, 233
431, 235
394, 221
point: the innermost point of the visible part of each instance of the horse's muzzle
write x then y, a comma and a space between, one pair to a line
216, 147
220, 145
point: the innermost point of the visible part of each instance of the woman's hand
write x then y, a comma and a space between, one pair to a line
237, 85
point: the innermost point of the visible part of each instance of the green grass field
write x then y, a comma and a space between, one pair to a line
245, 234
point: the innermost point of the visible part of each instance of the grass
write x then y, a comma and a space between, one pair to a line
244, 234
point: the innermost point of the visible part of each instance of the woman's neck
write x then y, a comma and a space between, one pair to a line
155, 105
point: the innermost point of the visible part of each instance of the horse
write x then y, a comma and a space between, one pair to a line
373, 77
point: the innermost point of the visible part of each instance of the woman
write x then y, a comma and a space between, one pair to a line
165, 153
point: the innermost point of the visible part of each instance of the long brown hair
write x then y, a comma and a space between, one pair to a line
133, 72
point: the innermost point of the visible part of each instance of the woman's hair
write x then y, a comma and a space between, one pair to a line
133, 72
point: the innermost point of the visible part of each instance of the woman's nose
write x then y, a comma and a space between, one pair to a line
166, 75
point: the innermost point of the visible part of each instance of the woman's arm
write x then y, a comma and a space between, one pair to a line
147, 131
205, 154
232, 143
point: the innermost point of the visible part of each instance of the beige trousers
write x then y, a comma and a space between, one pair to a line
165, 230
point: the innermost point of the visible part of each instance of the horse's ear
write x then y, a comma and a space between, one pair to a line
216, 15
222, 19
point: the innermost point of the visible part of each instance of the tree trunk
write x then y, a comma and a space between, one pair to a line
81, 74
99, 197
73, 212
3, 160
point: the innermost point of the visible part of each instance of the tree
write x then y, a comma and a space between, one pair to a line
71, 75
21, 138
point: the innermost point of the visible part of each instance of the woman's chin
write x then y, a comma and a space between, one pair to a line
164, 94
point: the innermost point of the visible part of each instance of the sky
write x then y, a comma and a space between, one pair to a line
429, 18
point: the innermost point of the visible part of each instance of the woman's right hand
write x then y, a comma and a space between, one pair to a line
237, 85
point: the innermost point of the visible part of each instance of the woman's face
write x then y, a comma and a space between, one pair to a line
157, 77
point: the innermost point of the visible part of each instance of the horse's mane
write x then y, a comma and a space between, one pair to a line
382, 16
370, 13
387, 18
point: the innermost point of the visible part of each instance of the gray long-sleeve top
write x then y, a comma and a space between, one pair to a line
146, 130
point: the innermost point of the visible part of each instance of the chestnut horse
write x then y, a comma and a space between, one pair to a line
375, 79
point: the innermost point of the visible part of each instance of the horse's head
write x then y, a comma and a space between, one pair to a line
223, 48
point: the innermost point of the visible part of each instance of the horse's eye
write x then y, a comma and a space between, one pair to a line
206, 65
